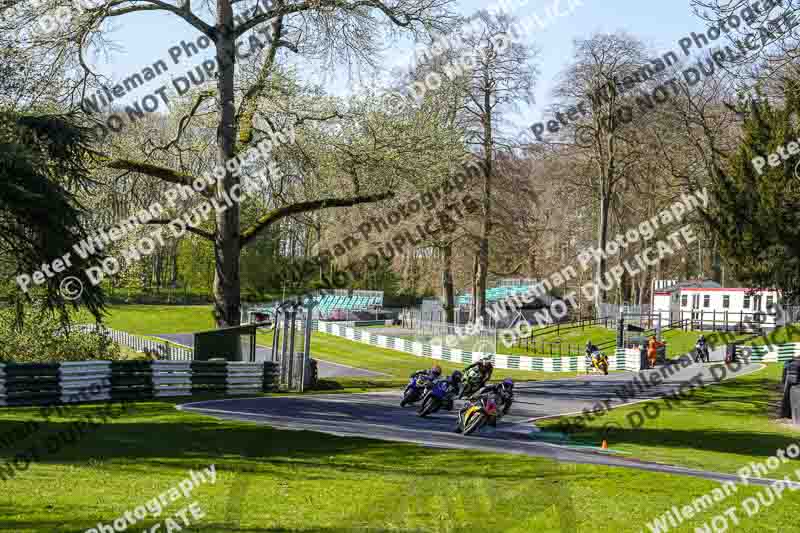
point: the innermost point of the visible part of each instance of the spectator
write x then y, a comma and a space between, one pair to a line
652, 350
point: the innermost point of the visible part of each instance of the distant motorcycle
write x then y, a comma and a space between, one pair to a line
599, 360
701, 352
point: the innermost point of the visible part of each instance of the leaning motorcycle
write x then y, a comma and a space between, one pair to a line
438, 394
477, 414
473, 381
415, 389
599, 361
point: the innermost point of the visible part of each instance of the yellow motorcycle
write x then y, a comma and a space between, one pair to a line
476, 415
599, 360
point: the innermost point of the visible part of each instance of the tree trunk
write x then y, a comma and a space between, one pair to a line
486, 226
602, 240
226, 242
447, 285
474, 307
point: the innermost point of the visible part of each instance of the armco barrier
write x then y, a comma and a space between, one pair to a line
86, 381
621, 360
770, 353
32, 384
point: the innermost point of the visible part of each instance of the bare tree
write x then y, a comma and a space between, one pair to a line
333, 30
601, 64
502, 73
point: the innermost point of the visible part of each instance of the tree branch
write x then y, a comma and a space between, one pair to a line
247, 109
184, 122
282, 10
196, 231
162, 173
301, 207
183, 12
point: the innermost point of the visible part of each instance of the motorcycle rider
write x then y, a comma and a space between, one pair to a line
455, 387
503, 393
590, 348
595, 358
702, 348
424, 378
431, 374
592, 351
484, 368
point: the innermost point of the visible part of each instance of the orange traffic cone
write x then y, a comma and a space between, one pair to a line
604, 445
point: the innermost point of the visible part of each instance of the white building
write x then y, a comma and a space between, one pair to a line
714, 306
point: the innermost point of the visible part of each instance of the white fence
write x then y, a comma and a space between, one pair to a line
622, 360
166, 351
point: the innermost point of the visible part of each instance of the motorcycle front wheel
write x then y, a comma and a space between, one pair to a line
408, 398
474, 424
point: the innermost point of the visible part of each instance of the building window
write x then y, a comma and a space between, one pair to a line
769, 302
695, 301
726, 301
746, 301
707, 300
684, 300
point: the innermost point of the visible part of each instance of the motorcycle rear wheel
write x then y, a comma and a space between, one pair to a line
428, 406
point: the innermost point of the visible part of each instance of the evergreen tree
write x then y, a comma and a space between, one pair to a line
756, 213
42, 158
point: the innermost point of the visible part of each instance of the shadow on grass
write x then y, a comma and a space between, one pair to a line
745, 406
153, 436
338, 384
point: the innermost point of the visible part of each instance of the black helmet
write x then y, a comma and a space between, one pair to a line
456, 376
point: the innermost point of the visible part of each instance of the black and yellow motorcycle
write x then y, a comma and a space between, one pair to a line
477, 414
598, 360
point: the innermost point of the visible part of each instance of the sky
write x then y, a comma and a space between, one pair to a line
143, 38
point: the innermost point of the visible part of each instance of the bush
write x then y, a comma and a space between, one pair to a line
42, 338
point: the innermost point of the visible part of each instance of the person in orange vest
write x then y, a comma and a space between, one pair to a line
652, 350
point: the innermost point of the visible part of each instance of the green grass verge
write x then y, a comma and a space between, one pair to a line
397, 365
719, 428
270, 481
155, 319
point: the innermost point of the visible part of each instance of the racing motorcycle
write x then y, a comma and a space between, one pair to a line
440, 393
477, 414
701, 352
599, 360
415, 389
473, 381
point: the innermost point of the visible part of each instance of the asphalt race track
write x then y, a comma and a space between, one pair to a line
325, 369
378, 415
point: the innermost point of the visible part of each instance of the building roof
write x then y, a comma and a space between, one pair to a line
696, 284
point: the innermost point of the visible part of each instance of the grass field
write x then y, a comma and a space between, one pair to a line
150, 319
155, 319
719, 428
278, 481
270, 480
